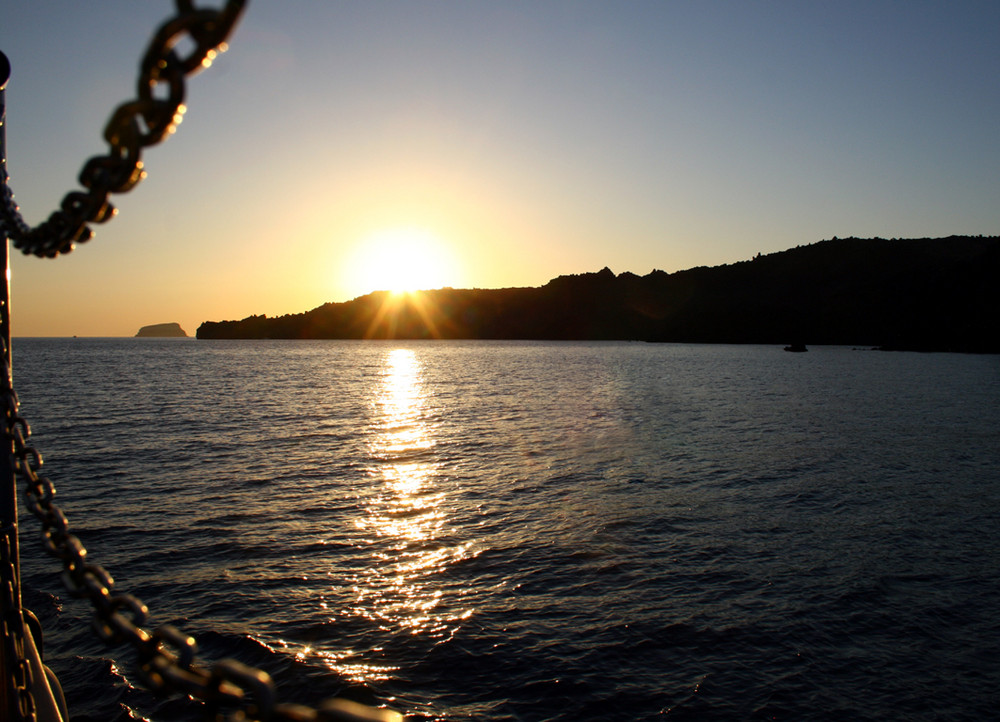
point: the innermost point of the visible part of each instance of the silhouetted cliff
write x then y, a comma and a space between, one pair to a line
920, 294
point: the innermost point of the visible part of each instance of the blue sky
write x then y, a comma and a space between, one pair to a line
527, 139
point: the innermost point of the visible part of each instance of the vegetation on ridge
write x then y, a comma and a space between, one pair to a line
921, 294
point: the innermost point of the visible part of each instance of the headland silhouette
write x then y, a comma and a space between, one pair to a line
906, 294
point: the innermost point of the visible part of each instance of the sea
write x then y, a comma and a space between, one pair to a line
530, 531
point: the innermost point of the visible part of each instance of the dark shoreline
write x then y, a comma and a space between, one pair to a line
915, 295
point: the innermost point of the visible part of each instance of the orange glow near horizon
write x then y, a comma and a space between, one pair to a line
401, 260
397, 313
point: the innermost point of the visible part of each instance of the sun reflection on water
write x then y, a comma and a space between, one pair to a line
404, 526
407, 508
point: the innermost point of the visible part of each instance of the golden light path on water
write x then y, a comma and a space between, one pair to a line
404, 524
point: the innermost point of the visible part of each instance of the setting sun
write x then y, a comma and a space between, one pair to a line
403, 259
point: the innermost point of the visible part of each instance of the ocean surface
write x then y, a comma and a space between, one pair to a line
532, 531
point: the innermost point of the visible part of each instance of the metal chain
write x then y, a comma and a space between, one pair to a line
134, 125
166, 656
12, 627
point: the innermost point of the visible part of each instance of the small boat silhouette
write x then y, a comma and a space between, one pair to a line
796, 348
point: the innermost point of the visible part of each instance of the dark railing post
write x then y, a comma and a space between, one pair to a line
5, 295
28, 689
8, 489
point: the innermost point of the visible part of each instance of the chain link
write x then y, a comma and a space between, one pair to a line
13, 629
134, 125
166, 656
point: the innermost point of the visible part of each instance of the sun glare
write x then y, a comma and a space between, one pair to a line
401, 260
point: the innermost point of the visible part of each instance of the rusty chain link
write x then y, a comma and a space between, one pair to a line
13, 629
229, 689
166, 656
134, 125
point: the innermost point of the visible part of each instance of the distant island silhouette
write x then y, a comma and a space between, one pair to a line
901, 294
162, 330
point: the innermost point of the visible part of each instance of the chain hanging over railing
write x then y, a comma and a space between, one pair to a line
134, 125
18, 668
166, 656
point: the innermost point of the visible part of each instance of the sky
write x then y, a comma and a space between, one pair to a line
342, 147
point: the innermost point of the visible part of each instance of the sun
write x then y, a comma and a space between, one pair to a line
402, 260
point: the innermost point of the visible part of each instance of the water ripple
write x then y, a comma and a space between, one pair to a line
533, 531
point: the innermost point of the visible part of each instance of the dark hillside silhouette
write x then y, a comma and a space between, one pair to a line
916, 294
